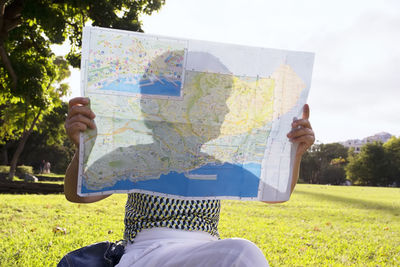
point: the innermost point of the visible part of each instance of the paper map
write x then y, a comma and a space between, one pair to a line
187, 118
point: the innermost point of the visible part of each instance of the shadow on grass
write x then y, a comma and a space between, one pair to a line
362, 204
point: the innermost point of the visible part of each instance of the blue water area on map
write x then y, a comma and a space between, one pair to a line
232, 180
140, 85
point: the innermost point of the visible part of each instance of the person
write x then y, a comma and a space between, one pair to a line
42, 165
47, 167
159, 230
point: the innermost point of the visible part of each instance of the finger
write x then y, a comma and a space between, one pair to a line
73, 131
299, 132
82, 119
306, 112
306, 139
302, 123
78, 101
75, 127
83, 110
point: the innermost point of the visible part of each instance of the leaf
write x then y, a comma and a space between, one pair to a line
316, 229
59, 230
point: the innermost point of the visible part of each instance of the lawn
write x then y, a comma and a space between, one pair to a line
319, 226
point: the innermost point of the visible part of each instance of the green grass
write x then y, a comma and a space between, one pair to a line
51, 182
50, 175
17, 179
319, 226
322, 226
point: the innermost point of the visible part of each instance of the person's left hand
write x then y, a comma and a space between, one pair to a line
302, 133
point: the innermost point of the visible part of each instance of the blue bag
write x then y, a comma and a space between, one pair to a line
102, 254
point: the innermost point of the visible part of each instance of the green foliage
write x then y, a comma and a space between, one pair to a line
21, 108
24, 169
319, 226
50, 143
59, 20
4, 169
20, 169
324, 164
59, 155
392, 150
333, 174
376, 164
51, 128
30, 75
36, 95
338, 161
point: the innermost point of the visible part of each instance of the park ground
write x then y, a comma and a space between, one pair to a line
319, 226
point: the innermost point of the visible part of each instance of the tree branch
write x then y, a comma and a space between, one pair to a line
74, 25
13, 10
36, 117
25, 117
10, 16
2, 10
8, 66
34, 121
32, 38
9, 25
9, 19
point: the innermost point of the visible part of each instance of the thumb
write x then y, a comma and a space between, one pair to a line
306, 112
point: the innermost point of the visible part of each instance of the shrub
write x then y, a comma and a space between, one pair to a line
4, 169
24, 169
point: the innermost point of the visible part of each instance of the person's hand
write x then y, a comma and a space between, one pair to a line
302, 133
79, 118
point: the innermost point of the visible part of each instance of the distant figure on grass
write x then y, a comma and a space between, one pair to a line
47, 167
162, 231
42, 164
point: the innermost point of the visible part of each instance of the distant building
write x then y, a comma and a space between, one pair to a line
379, 137
357, 143
353, 143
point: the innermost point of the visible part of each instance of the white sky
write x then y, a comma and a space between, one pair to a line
355, 90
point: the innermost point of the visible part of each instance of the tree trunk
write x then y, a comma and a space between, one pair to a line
4, 156
10, 17
17, 153
20, 148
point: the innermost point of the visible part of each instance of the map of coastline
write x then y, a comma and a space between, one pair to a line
188, 132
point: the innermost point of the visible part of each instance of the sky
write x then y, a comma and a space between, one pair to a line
355, 89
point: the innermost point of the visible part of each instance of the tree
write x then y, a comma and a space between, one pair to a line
21, 113
310, 168
323, 164
61, 19
369, 167
392, 151
50, 142
333, 174
30, 75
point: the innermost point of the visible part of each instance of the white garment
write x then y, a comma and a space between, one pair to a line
167, 247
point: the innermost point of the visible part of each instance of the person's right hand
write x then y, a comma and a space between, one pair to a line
79, 118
